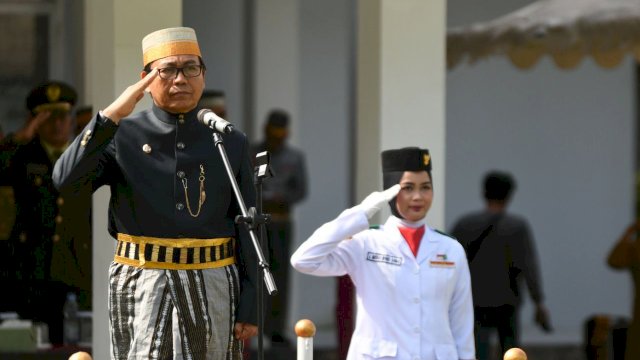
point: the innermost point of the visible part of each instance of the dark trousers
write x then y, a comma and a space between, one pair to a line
345, 314
42, 301
504, 319
279, 235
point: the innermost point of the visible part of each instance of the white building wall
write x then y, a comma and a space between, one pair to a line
323, 131
220, 27
302, 64
568, 137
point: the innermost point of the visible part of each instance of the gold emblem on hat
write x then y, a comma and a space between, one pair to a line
146, 148
53, 92
426, 158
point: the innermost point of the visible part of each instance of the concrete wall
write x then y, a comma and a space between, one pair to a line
568, 137
323, 132
220, 29
302, 64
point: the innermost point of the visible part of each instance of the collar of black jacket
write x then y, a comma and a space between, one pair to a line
173, 119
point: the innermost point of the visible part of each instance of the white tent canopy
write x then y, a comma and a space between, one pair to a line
566, 30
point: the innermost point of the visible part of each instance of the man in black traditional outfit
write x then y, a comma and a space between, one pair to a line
182, 284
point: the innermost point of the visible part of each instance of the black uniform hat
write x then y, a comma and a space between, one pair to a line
406, 159
50, 96
396, 162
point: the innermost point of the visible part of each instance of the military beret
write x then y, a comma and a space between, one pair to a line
52, 95
406, 159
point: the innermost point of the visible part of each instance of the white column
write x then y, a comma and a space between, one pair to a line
401, 88
114, 32
277, 59
277, 80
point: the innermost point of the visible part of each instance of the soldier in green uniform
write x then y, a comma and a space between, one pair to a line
182, 283
48, 253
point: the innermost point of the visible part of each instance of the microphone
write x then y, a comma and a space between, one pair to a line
210, 119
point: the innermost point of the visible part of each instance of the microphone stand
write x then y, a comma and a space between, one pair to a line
262, 171
253, 218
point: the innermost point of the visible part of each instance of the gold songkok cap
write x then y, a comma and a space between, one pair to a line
168, 42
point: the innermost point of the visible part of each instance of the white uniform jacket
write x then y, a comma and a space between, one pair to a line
409, 307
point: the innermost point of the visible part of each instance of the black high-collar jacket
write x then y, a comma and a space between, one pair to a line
145, 160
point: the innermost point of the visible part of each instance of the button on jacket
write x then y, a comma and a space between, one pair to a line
407, 307
146, 160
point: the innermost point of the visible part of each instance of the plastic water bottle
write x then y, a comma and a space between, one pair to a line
71, 324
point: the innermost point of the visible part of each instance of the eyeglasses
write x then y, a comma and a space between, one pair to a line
189, 71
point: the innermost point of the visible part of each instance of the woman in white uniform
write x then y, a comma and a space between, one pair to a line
412, 282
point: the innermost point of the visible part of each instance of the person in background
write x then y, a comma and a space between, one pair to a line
281, 193
625, 255
215, 101
49, 252
412, 282
182, 282
84, 114
500, 249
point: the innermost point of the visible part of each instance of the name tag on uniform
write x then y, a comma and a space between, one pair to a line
441, 261
388, 259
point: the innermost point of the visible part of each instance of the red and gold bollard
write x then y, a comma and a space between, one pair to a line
306, 330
